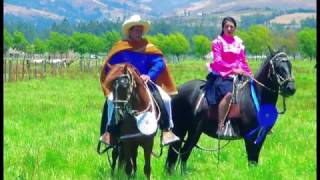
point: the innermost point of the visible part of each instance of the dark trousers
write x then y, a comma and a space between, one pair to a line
164, 117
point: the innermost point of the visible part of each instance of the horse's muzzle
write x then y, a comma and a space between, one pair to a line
289, 89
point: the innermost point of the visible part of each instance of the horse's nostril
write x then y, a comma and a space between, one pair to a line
291, 90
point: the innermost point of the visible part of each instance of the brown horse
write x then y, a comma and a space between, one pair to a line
130, 98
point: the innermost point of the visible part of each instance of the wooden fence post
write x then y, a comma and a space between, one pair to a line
35, 70
23, 69
45, 68
17, 62
4, 69
28, 67
10, 70
96, 65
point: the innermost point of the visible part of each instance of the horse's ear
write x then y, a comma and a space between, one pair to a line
125, 69
271, 50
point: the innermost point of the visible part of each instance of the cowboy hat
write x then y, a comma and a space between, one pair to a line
135, 20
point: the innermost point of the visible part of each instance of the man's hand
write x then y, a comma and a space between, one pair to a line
145, 77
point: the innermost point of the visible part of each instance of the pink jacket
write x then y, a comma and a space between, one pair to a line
228, 54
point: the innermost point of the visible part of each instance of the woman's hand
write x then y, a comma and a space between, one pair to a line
145, 77
239, 71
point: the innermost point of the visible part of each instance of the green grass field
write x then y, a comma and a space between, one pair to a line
51, 129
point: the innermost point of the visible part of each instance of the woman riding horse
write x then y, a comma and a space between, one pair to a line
150, 63
256, 99
229, 60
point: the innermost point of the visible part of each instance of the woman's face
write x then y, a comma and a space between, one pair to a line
229, 28
136, 32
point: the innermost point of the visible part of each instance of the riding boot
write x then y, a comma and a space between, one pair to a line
223, 109
167, 136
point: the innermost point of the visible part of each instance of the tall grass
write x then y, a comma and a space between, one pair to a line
51, 128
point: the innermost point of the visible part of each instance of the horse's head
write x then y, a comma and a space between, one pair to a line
280, 72
122, 87
129, 93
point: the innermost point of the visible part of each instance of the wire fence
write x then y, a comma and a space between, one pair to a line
19, 68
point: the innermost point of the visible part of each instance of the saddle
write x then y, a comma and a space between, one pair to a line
231, 129
234, 111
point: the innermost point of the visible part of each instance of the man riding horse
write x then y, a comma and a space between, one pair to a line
149, 60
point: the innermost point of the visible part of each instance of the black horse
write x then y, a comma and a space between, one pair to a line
191, 115
130, 97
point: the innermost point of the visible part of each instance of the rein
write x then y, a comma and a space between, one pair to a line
152, 103
280, 80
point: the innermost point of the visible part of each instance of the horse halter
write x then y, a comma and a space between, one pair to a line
280, 79
124, 77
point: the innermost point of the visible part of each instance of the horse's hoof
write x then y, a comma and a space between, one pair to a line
252, 163
184, 169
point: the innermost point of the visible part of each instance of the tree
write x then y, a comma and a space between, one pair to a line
80, 42
19, 41
202, 45
109, 38
162, 42
289, 40
245, 36
179, 44
95, 44
309, 22
7, 41
39, 46
307, 42
30, 49
259, 38
58, 43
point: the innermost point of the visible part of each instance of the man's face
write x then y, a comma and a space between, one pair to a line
229, 28
136, 32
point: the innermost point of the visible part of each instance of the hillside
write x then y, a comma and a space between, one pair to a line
86, 10
289, 18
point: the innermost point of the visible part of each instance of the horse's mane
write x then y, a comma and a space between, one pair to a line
265, 63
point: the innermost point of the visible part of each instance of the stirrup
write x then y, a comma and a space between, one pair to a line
228, 132
172, 139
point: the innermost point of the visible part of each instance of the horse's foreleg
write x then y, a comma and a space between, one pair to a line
122, 160
192, 140
129, 165
128, 154
115, 154
172, 156
147, 159
253, 151
134, 159
147, 164
173, 151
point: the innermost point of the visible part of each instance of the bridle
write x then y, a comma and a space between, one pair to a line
132, 85
281, 80
124, 105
